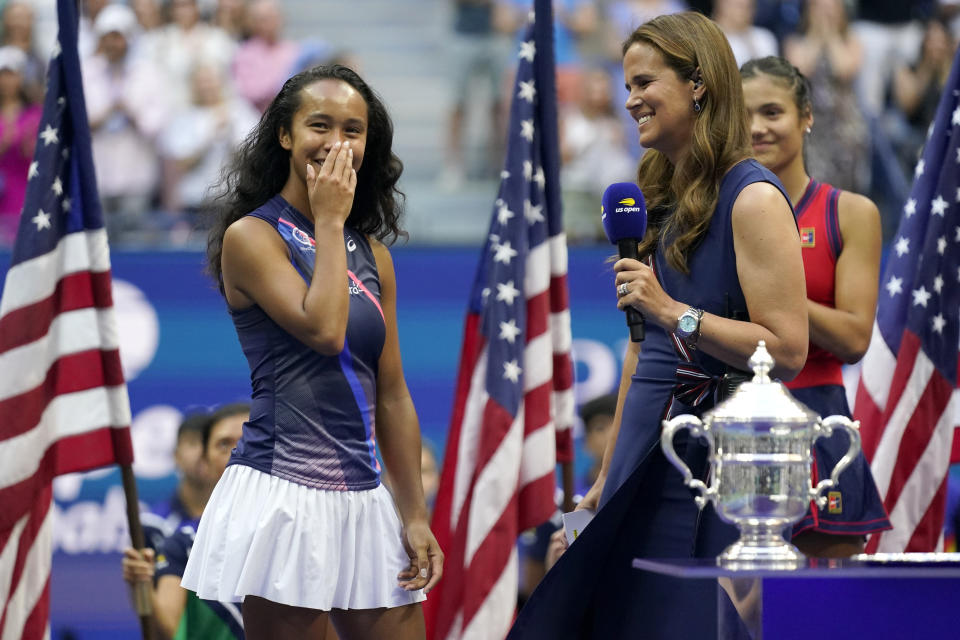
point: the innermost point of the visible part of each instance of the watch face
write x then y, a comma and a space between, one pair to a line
687, 324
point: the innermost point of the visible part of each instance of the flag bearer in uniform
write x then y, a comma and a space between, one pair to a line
179, 614
840, 240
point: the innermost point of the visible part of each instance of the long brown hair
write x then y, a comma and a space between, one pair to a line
690, 42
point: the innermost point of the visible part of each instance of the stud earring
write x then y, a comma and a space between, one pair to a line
808, 129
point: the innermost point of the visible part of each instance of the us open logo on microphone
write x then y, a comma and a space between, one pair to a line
629, 206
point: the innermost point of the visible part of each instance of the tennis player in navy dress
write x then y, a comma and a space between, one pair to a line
722, 252
840, 238
300, 527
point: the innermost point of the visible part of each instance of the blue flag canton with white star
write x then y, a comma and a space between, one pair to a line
920, 290
524, 215
61, 188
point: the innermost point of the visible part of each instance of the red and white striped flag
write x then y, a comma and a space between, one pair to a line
514, 401
63, 401
907, 398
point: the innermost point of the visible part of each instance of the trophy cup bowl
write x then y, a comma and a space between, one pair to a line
760, 451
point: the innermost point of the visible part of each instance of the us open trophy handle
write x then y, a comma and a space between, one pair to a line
697, 430
823, 429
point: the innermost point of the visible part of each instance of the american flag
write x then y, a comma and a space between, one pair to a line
907, 397
63, 400
513, 409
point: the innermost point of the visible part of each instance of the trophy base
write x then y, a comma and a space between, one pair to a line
761, 548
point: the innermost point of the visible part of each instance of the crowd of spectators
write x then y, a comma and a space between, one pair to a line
171, 87
876, 70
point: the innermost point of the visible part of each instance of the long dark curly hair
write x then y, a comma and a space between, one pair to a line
260, 167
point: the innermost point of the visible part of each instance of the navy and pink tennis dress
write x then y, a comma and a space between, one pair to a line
300, 516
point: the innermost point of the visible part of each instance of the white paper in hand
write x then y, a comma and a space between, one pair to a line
575, 522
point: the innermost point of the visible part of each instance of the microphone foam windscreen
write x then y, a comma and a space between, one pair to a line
624, 212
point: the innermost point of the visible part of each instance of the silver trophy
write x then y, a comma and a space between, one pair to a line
760, 443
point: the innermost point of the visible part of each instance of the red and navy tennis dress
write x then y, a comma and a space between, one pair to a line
854, 507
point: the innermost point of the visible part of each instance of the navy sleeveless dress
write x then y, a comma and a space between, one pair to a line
311, 415
300, 516
646, 510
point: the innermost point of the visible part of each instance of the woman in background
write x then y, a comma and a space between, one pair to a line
830, 55
840, 240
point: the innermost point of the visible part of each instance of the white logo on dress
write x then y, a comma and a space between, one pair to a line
351, 245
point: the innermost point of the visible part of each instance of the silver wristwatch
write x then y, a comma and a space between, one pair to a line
688, 326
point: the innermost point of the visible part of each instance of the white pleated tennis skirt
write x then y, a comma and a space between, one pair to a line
265, 536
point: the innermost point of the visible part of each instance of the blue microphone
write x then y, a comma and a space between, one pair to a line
624, 217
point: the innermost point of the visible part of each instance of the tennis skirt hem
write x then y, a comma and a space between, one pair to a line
264, 536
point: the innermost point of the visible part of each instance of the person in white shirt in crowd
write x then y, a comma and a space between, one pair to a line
179, 45
198, 141
151, 19
126, 113
594, 154
748, 41
86, 38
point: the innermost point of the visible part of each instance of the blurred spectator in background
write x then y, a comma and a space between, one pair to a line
622, 17
151, 18
830, 55
86, 39
594, 153
264, 62
178, 613
18, 32
19, 120
197, 142
748, 41
780, 17
179, 45
194, 484
916, 92
575, 21
890, 33
478, 51
233, 17
126, 114
149, 14
597, 416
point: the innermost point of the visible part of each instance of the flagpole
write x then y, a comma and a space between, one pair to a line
141, 590
566, 476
